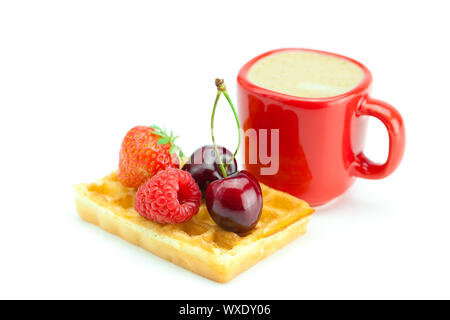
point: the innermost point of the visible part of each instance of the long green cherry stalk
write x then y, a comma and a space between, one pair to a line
221, 88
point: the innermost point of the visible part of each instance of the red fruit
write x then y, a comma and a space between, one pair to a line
235, 203
171, 196
144, 152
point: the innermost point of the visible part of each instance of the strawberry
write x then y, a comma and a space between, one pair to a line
144, 152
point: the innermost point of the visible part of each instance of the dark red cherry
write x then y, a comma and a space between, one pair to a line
204, 167
235, 203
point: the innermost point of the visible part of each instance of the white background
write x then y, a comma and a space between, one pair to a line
76, 75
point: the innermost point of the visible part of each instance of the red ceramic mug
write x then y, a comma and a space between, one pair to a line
321, 140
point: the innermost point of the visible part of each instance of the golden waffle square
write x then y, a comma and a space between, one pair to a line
198, 245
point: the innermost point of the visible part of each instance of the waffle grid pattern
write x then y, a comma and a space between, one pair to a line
279, 210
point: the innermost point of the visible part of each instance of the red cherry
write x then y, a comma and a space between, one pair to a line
235, 203
203, 165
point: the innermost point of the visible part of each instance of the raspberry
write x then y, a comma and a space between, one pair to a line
170, 196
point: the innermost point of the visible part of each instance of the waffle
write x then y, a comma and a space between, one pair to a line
198, 245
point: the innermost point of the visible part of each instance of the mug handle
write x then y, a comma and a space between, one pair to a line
362, 166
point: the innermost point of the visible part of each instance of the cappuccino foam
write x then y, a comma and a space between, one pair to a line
305, 74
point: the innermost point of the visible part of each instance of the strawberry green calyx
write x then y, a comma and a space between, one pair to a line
166, 138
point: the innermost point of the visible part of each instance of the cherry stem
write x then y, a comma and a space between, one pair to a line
238, 127
222, 88
224, 172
